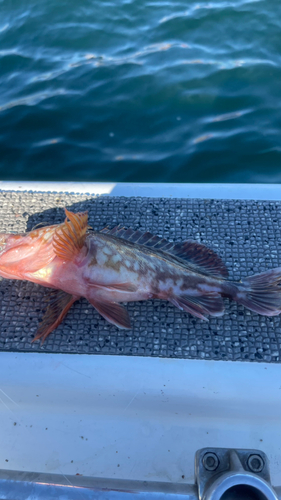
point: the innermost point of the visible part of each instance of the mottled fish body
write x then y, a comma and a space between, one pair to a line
145, 272
114, 266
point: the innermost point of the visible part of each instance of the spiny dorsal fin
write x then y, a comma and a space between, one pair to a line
193, 252
148, 239
201, 256
70, 236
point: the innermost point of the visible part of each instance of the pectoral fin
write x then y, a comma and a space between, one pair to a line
70, 236
59, 303
114, 313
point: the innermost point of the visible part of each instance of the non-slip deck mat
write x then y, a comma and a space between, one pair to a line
246, 234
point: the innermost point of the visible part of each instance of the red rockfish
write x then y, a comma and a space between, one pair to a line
123, 265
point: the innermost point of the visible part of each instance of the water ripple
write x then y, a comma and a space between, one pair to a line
207, 6
140, 91
32, 100
4, 27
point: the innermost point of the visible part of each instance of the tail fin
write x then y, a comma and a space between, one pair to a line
261, 293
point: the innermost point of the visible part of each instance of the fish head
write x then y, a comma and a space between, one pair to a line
38, 255
21, 253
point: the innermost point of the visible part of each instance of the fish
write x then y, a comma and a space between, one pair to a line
117, 265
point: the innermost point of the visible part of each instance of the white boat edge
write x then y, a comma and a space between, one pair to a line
133, 418
155, 190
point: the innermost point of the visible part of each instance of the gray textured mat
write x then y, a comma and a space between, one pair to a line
246, 234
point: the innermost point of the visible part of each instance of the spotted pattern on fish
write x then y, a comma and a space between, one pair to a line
114, 264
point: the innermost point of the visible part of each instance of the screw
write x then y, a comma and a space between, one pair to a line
210, 461
255, 463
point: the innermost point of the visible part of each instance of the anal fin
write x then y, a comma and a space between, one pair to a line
114, 313
201, 306
59, 304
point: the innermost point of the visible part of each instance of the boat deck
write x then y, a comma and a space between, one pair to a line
245, 233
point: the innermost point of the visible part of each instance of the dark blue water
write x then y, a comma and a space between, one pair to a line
164, 91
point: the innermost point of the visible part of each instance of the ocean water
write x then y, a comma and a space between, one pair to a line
140, 91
